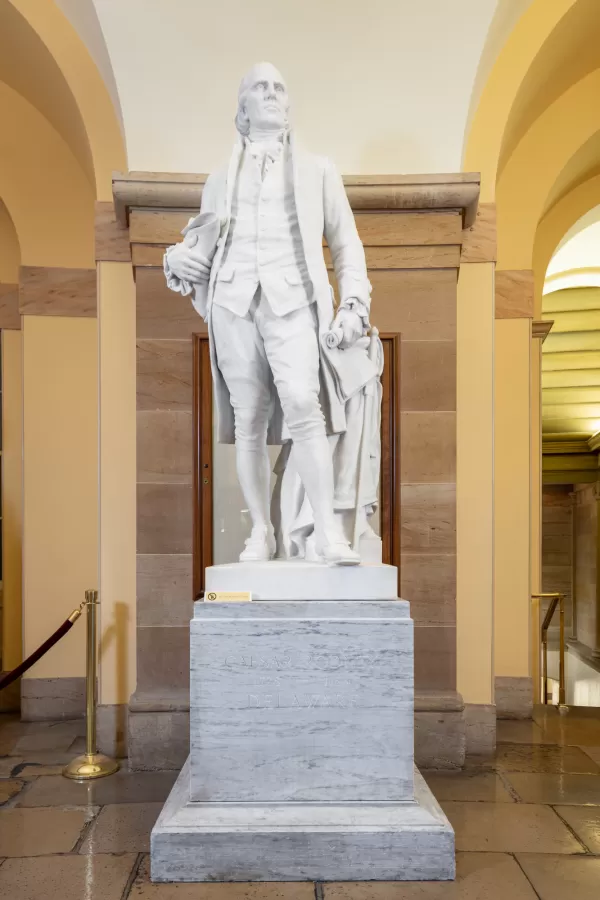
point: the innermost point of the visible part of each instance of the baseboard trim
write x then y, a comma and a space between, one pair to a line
111, 727
440, 741
480, 729
46, 699
514, 697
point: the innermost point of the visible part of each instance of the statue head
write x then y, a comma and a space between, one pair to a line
262, 100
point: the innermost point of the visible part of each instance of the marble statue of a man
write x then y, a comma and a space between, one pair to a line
269, 305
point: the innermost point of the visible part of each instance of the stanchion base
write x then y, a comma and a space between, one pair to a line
90, 766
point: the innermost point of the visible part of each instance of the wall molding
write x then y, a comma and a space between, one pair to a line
44, 699
161, 190
541, 329
570, 458
50, 291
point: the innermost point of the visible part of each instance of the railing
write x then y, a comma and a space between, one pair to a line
556, 599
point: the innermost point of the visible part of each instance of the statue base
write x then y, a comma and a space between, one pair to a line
195, 841
287, 579
301, 739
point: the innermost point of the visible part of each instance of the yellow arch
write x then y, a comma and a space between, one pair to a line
58, 76
487, 133
46, 192
530, 173
557, 221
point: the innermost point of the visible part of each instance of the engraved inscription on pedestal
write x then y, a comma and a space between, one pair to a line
287, 706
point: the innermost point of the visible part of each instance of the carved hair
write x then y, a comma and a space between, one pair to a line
242, 122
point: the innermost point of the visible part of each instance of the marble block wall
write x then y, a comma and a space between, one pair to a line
159, 707
587, 596
557, 545
413, 257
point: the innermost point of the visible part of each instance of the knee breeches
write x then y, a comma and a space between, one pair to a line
261, 353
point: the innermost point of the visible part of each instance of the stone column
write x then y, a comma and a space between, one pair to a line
513, 493
117, 575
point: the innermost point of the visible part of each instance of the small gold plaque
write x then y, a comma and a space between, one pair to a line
227, 596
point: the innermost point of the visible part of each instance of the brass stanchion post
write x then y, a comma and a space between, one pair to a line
92, 764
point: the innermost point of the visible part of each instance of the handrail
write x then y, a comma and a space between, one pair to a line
557, 599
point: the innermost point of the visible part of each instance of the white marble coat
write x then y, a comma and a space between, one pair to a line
323, 209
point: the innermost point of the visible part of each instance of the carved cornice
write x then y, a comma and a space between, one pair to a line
541, 329
570, 442
160, 190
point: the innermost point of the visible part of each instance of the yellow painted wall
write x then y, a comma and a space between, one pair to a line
536, 466
474, 482
10, 253
512, 454
65, 85
485, 138
117, 348
60, 464
12, 497
45, 190
528, 177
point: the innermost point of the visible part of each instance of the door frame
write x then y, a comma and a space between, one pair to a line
202, 431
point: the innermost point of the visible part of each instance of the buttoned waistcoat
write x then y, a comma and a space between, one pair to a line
263, 244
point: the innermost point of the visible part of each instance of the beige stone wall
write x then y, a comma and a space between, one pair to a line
587, 618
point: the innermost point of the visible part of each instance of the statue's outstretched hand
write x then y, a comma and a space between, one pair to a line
188, 263
350, 324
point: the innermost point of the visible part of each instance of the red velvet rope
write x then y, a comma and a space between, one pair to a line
27, 663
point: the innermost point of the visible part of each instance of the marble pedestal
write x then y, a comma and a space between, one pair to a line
301, 760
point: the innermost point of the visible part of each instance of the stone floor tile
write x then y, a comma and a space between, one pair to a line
515, 731
40, 763
122, 828
532, 787
544, 758
479, 876
12, 730
509, 828
467, 786
38, 832
123, 787
562, 877
60, 737
593, 753
143, 889
580, 726
8, 788
66, 877
28, 771
585, 822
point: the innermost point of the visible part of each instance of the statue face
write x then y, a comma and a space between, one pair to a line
266, 99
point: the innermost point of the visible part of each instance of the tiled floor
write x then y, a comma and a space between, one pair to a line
527, 824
